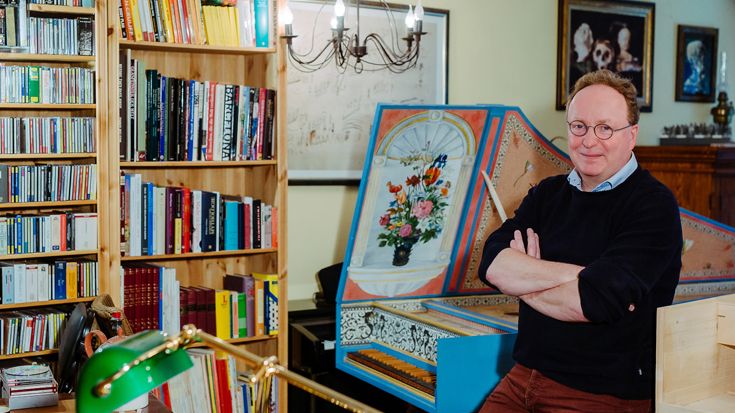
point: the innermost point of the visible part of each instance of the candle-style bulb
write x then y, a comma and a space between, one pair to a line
286, 16
419, 11
339, 8
333, 23
410, 18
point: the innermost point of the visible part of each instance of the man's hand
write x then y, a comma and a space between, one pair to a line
534, 243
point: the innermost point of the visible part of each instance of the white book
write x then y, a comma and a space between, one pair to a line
44, 283
31, 282
159, 217
266, 225
219, 111
135, 215
198, 87
85, 231
3, 236
55, 237
196, 221
205, 120
19, 285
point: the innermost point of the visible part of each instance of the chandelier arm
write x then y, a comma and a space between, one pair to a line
388, 55
393, 27
328, 48
311, 65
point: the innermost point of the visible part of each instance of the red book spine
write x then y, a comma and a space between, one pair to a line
247, 226
210, 120
223, 386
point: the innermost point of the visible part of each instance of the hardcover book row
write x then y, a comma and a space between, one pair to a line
47, 183
152, 298
170, 119
62, 36
47, 135
70, 3
60, 280
176, 220
42, 84
245, 23
28, 234
25, 331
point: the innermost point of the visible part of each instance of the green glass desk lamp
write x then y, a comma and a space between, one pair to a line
123, 371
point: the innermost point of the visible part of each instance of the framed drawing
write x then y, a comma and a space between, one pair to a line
613, 35
330, 112
696, 63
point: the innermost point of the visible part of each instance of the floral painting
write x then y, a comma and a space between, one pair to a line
416, 211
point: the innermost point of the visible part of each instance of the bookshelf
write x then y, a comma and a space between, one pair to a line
35, 151
266, 179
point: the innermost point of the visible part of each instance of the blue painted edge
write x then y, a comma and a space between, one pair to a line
710, 221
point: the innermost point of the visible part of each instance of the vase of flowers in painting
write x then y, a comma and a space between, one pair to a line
415, 213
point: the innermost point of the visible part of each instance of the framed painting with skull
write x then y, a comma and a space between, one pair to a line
613, 35
696, 63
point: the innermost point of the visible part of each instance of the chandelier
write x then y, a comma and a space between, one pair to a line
351, 51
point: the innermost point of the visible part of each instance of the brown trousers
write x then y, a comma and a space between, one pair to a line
527, 390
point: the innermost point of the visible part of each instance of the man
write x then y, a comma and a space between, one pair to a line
591, 256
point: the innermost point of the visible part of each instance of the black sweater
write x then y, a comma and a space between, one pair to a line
629, 241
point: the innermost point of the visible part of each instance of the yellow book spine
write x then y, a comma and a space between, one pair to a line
206, 12
234, 30
259, 307
270, 301
222, 314
177, 235
72, 272
167, 21
137, 30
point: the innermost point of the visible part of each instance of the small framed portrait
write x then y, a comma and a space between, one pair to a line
696, 63
613, 35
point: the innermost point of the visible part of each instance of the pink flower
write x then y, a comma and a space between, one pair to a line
422, 209
405, 231
384, 220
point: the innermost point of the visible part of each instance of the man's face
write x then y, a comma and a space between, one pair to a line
597, 160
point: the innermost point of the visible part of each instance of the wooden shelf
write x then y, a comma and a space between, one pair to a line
46, 303
198, 255
46, 156
49, 106
31, 354
239, 341
59, 254
193, 164
57, 204
33, 57
193, 48
50, 8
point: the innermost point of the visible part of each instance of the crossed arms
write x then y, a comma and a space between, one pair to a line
549, 287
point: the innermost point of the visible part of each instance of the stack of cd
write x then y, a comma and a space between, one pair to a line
29, 386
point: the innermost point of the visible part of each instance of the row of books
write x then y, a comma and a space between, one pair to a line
47, 183
70, 3
170, 119
59, 280
243, 23
13, 23
149, 297
174, 220
214, 385
47, 135
42, 84
28, 234
152, 298
62, 36
26, 331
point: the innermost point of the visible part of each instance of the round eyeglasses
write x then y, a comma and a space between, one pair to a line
602, 131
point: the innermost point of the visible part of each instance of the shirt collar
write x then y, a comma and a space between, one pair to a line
620, 176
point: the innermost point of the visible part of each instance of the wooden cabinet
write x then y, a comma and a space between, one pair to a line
52, 123
261, 67
701, 177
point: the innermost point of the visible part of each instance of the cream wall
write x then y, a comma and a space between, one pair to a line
504, 51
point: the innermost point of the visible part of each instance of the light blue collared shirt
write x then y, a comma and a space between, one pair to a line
626, 171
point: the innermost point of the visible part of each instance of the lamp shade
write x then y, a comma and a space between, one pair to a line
139, 378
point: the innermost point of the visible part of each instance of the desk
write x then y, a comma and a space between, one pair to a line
67, 404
